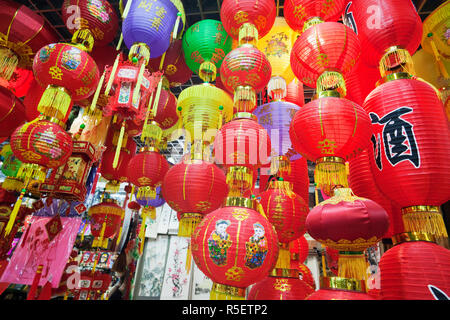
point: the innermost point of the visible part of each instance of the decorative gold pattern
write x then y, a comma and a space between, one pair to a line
282, 285
234, 273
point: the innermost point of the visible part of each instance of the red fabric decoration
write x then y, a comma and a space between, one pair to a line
65, 65
133, 205
174, 66
362, 182
349, 225
261, 14
294, 93
297, 12
242, 142
412, 143
280, 288
43, 142
97, 16
286, 211
11, 112
330, 126
32, 99
323, 47
327, 294
235, 246
408, 269
107, 215
382, 25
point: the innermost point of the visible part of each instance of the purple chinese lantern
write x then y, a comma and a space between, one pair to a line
149, 205
151, 23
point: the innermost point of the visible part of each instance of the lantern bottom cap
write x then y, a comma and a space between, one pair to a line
226, 292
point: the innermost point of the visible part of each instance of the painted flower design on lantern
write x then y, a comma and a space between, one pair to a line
447, 35
45, 52
98, 10
277, 45
71, 58
219, 242
256, 247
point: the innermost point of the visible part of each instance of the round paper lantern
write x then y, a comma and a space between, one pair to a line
327, 47
360, 82
20, 82
248, 19
299, 251
245, 71
150, 23
146, 171
415, 270
329, 131
106, 218
280, 288
166, 113
297, 12
294, 93
277, 46
299, 178
205, 44
306, 275
407, 160
380, 27
194, 188
338, 288
235, 247
174, 65
11, 112
24, 32
68, 73
97, 16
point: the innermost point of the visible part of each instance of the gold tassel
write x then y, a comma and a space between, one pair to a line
244, 98
156, 101
352, 265
260, 210
331, 80
330, 172
137, 88
55, 102
150, 211
188, 223
284, 256
207, 71
13, 215
119, 235
248, 33
84, 230
188, 258
426, 219
66, 295
126, 10
225, 292
161, 63
316, 195
146, 192
8, 63
119, 145
324, 264
112, 74
119, 43
102, 232
112, 186
97, 93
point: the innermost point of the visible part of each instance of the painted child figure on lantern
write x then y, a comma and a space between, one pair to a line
256, 247
219, 242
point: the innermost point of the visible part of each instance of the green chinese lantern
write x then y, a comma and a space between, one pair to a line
205, 44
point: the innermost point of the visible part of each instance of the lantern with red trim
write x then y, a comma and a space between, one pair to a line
300, 12
11, 112
235, 246
96, 17
415, 269
23, 32
349, 224
194, 188
248, 20
329, 131
339, 288
106, 219
411, 146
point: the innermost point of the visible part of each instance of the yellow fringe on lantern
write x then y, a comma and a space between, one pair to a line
97, 94
153, 132
188, 223
112, 74
55, 102
311, 22
8, 63
112, 186
330, 172
438, 59
396, 59
207, 71
119, 145
137, 88
187, 266
150, 212
280, 165
277, 88
12, 184
84, 38
284, 256
157, 95
248, 33
426, 219
244, 99
352, 265
331, 80
119, 235
224, 292
13, 215
146, 192
119, 43
142, 233
239, 179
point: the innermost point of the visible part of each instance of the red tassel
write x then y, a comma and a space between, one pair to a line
34, 285
46, 292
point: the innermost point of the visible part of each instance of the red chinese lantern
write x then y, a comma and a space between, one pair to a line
381, 27
324, 54
411, 148
235, 246
32, 99
245, 71
363, 184
299, 249
281, 288
146, 170
68, 73
247, 20
194, 188
338, 288
11, 112
98, 17
174, 66
286, 211
360, 82
166, 113
106, 218
294, 93
415, 270
349, 224
299, 178
298, 12
329, 131
104, 56
20, 82
306, 275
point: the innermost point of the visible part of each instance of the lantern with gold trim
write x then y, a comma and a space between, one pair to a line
106, 218
340, 288
349, 224
235, 246
22, 33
